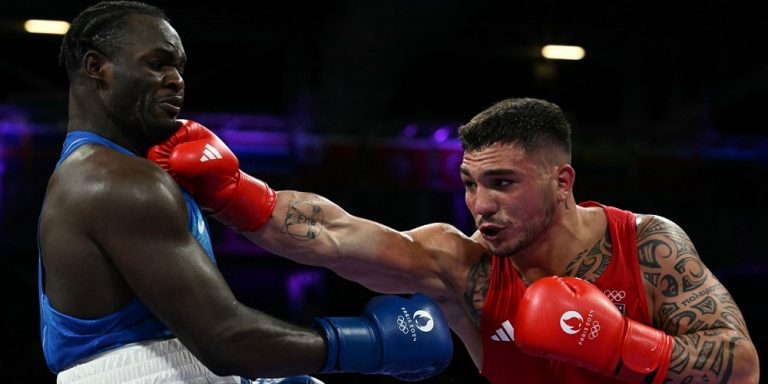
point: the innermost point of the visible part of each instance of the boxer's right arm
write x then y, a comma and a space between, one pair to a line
141, 224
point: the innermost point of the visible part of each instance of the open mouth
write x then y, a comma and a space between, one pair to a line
489, 231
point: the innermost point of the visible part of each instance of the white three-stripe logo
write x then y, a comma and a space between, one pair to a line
505, 333
210, 153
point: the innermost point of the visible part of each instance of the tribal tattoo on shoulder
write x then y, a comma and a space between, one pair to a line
695, 308
478, 278
303, 220
591, 263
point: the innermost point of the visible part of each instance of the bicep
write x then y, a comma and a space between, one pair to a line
686, 295
146, 237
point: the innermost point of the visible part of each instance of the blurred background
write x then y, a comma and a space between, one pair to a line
360, 101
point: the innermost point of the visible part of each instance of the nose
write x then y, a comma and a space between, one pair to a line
174, 80
481, 202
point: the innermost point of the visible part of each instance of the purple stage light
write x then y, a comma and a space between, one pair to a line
410, 131
299, 283
441, 134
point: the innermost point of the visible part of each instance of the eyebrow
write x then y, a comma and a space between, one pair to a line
170, 54
491, 172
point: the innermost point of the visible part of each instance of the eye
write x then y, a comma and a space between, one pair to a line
502, 183
155, 65
469, 185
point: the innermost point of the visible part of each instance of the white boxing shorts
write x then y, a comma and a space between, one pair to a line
157, 361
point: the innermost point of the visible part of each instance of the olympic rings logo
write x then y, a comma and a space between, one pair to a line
615, 295
402, 325
595, 330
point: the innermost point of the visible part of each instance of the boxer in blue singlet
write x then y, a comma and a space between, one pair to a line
128, 284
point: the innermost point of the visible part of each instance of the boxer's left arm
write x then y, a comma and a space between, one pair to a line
306, 227
310, 229
698, 333
711, 341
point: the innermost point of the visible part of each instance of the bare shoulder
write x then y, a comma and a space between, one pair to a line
650, 225
670, 262
98, 182
467, 262
449, 242
664, 247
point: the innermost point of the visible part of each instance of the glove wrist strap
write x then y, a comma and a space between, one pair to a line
352, 345
645, 351
250, 207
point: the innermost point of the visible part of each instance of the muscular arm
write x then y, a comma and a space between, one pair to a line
711, 340
311, 229
140, 222
435, 259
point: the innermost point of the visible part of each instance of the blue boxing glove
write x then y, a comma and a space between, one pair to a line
405, 337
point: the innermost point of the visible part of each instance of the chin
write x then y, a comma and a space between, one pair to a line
508, 248
163, 129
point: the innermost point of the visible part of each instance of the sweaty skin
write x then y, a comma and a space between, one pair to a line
113, 227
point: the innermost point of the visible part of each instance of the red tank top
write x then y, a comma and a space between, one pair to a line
503, 363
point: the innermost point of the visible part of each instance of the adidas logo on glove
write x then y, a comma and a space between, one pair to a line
210, 153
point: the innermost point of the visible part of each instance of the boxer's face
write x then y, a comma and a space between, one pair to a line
147, 87
511, 195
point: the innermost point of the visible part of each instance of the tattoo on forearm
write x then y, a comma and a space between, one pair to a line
704, 352
303, 220
713, 360
591, 263
478, 279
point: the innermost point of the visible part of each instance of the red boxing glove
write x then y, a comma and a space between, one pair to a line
199, 161
569, 319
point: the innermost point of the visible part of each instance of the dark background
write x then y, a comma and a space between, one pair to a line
344, 98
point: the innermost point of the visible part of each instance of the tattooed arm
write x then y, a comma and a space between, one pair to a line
435, 259
711, 340
311, 229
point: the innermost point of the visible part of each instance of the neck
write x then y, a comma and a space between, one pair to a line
81, 119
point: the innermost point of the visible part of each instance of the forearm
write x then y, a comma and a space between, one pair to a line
310, 229
714, 355
252, 344
307, 228
266, 348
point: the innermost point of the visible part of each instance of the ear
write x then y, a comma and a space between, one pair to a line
97, 67
566, 176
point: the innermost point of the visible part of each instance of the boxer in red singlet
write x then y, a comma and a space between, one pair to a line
546, 290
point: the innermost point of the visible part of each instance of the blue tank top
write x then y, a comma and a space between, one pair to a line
67, 339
